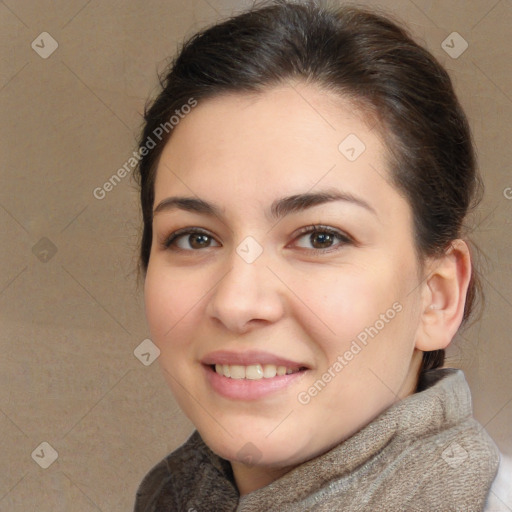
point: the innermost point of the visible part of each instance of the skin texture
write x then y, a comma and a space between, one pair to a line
297, 300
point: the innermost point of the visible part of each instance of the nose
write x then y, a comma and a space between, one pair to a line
248, 295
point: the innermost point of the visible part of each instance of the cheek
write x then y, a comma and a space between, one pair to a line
347, 302
362, 316
170, 302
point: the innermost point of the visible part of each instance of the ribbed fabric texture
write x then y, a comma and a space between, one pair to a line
424, 453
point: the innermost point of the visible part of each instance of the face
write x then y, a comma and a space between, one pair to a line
282, 287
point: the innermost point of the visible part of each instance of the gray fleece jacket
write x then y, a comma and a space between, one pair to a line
424, 453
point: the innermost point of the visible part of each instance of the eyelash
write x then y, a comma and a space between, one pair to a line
342, 237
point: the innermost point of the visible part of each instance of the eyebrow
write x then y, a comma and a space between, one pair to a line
279, 208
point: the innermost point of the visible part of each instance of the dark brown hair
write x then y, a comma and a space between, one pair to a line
358, 54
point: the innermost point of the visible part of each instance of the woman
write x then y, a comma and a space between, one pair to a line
305, 177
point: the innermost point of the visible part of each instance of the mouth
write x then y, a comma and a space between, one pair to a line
251, 375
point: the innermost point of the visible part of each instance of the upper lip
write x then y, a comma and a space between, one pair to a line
248, 358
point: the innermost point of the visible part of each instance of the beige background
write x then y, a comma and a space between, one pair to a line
71, 313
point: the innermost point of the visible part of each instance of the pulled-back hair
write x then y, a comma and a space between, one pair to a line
360, 55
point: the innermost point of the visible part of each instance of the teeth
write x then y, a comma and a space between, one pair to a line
237, 372
269, 371
253, 371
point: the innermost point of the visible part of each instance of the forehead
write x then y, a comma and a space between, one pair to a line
287, 139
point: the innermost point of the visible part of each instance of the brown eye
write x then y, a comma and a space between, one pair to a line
321, 240
198, 241
318, 238
189, 240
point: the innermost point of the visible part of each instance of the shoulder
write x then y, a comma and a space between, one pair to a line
500, 494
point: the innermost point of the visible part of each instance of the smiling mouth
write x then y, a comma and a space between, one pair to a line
254, 371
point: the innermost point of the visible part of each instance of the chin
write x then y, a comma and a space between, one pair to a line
255, 450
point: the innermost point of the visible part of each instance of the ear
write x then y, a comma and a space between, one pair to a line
443, 297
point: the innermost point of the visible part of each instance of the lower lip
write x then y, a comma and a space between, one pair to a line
247, 389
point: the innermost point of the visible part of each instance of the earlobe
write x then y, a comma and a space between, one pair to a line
444, 297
